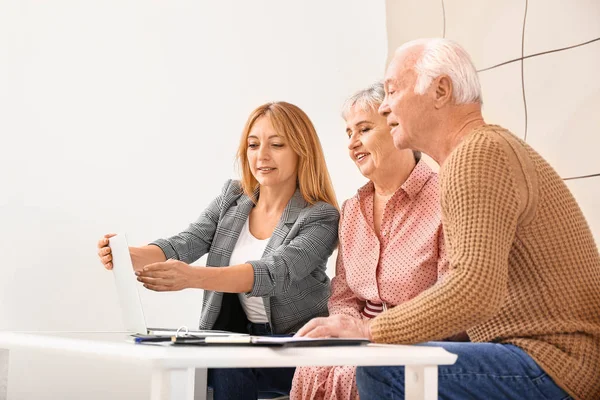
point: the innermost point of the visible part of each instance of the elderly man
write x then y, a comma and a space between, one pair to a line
524, 278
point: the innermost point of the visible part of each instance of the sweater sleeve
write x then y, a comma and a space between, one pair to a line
480, 210
443, 261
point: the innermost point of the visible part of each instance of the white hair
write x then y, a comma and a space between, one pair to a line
365, 99
369, 99
446, 57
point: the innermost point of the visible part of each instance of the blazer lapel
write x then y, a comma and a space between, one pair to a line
288, 218
230, 228
242, 208
234, 219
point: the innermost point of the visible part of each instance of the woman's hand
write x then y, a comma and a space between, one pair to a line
104, 251
168, 276
336, 326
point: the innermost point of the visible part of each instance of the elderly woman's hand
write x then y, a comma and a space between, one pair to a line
336, 326
104, 251
167, 276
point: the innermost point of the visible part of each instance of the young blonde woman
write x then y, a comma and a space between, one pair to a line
268, 238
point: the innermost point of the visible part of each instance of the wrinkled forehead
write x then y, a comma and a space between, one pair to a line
402, 65
361, 113
399, 77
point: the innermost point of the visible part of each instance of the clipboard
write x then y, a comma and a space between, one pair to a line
183, 334
272, 341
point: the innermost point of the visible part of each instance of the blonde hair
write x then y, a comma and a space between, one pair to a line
292, 123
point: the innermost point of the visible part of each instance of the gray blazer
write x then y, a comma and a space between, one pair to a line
290, 276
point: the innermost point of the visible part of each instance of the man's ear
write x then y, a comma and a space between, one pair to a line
443, 90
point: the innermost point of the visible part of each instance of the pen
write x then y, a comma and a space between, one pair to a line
152, 339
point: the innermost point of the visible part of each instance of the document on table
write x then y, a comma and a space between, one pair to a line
276, 341
170, 337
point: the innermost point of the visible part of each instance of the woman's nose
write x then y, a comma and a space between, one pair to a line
353, 142
263, 153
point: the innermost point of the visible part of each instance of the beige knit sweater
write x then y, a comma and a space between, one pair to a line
524, 265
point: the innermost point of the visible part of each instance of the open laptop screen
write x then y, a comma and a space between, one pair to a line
127, 286
129, 299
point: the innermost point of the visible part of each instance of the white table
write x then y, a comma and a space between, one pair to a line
180, 372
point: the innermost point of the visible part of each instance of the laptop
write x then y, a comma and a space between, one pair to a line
129, 298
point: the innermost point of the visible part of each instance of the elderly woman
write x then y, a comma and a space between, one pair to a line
391, 240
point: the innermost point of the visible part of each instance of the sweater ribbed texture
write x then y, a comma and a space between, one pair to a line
525, 269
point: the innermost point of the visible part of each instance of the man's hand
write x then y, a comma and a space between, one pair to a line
168, 276
336, 326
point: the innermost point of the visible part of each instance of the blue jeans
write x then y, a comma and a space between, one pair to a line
482, 371
247, 383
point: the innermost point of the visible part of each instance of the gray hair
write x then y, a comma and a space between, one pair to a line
446, 57
365, 99
369, 99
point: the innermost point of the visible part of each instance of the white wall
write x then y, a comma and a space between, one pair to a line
125, 116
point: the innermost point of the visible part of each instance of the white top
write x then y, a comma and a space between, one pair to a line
249, 248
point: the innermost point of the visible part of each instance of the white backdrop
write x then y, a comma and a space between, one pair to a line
125, 116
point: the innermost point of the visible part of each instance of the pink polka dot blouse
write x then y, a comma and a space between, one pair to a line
373, 273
